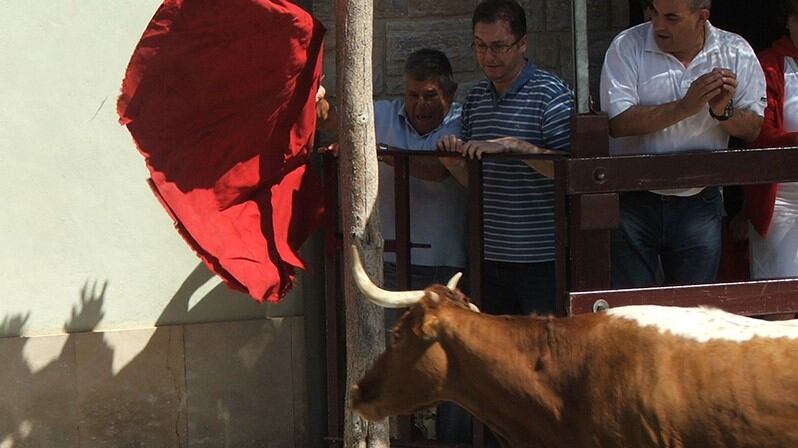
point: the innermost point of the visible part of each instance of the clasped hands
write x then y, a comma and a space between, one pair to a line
715, 88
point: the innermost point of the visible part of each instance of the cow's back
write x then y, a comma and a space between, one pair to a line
645, 385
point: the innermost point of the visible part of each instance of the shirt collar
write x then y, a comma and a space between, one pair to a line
711, 41
651, 40
525, 75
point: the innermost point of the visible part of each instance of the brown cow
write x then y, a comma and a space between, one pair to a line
641, 376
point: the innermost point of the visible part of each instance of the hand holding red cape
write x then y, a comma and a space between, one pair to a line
219, 97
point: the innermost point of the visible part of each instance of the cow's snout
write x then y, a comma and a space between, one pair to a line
359, 400
357, 397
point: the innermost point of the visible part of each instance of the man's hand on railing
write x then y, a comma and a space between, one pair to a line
449, 143
455, 165
474, 149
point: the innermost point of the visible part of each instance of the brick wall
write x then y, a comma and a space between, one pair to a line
402, 26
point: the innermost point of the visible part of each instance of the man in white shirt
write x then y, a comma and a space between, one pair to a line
437, 201
676, 83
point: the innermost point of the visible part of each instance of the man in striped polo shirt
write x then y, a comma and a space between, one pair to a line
519, 108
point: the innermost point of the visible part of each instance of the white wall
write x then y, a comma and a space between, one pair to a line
77, 212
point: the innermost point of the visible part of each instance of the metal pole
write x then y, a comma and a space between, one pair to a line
580, 55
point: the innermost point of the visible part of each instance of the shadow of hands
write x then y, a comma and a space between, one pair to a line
88, 314
13, 325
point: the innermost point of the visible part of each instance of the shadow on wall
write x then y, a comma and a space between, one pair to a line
219, 301
225, 384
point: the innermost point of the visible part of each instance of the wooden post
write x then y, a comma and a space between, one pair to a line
365, 327
591, 216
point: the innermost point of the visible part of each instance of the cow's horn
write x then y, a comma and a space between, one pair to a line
453, 284
377, 295
454, 281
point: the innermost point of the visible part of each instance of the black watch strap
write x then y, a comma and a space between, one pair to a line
728, 112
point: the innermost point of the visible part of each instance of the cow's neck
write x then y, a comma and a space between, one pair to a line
493, 373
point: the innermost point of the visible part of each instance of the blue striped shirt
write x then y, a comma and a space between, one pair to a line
518, 202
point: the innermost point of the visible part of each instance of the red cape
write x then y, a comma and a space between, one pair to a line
219, 97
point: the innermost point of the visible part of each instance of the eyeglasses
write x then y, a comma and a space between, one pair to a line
481, 48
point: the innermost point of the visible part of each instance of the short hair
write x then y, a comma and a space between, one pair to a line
491, 11
695, 5
428, 64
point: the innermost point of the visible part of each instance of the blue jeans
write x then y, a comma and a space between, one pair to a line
519, 288
681, 233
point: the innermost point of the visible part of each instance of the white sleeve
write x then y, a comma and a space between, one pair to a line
619, 78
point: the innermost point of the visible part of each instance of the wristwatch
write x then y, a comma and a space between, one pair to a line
728, 112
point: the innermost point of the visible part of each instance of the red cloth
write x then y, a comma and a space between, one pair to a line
761, 199
219, 97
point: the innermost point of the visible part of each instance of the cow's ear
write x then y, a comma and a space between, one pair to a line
428, 327
431, 298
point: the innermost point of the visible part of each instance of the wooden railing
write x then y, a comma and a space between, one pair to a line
588, 183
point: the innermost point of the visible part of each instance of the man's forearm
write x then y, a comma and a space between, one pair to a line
519, 146
744, 124
641, 120
459, 171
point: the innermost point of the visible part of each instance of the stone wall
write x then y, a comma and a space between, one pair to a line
402, 26
222, 384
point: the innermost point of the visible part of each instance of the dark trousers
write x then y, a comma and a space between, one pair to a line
681, 233
519, 288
